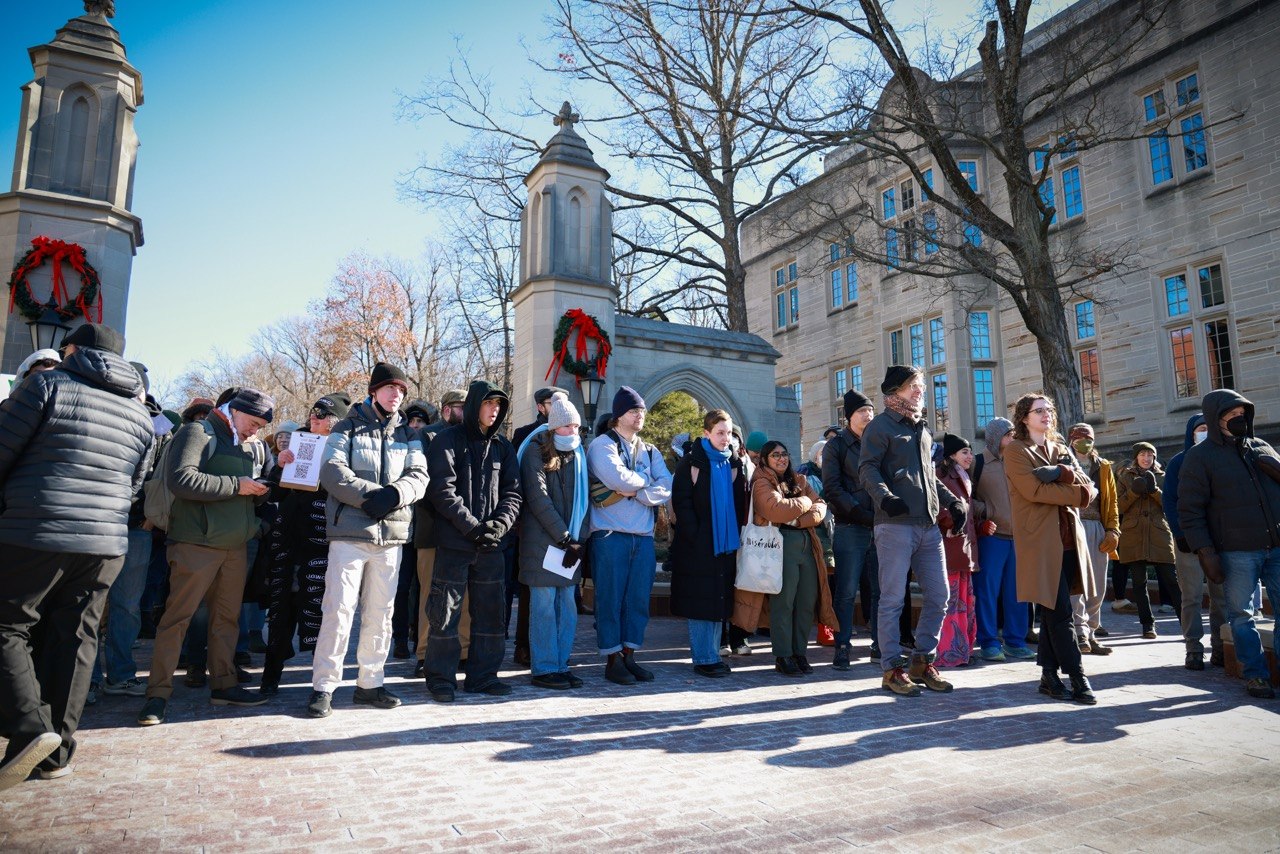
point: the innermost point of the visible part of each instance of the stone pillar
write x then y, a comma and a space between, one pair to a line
566, 259
73, 167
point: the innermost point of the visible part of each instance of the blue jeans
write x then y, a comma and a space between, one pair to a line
903, 548
124, 611
855, 553
704, 641
996, 585
622, 567
1244, 570
553, 621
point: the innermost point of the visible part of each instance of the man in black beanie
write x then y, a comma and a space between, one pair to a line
212, 471
74, 447
374, 471
850, 504
896, 469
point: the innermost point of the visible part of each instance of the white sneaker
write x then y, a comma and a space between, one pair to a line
1121, 605
17, 769
1166, 609
742, 649
127, 688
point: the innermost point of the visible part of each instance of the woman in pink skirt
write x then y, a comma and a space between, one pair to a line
960, 627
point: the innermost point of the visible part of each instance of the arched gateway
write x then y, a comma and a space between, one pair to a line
566, 263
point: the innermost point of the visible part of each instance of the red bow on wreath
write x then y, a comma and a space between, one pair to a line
56, 251
581, 328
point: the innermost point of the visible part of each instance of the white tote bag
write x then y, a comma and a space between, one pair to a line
759, 556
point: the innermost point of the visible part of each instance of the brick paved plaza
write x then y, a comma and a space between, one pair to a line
1168, 761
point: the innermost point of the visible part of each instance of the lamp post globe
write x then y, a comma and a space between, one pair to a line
48, 330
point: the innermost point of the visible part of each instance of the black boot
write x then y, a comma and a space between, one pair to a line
629, 661
616, 672
1195, 656
1081, 692
1051, 685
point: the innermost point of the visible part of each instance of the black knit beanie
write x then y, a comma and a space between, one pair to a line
853, 401
250, 401
896, 377
951, 443
385, 372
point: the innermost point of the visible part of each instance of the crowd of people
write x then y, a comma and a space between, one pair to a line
182, 525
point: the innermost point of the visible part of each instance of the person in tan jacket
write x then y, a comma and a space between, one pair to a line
1145, 536
785, 498
1101, 521
1048, 539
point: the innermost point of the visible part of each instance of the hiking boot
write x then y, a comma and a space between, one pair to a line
1217, 659
1095, 648
840, 661
802, 664
127, 688
786, 666
1083, 644
554, 681
1081, 691
629, 661
152, 712
924, 673
236, 696
1260, 688
1051, 686
616, 672
378, 697
896, 680
991, 653
320, 705
1195, 657
17, 769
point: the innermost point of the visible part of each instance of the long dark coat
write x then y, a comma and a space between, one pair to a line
702, 581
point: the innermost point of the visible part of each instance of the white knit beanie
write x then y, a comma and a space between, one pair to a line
562, 413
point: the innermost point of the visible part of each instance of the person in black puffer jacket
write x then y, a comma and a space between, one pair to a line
74, 445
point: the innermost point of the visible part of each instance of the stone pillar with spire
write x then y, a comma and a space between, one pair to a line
566, 257
73, 169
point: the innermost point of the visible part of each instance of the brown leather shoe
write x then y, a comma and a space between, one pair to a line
896, 680
1095, 648
924, 673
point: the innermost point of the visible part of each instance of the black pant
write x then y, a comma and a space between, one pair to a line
43, 684
481, 575
1058, 649
404, 615
1168, 580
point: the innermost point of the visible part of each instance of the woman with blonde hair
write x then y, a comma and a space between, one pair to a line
1047, 489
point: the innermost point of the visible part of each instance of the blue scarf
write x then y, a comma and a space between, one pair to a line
581, 492
724, 516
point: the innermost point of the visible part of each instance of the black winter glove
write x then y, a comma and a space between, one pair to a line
958, 515
1143, 484
1183, 545
572, 555
381, 503
894, 506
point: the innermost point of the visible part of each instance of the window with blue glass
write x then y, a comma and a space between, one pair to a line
979, 335
1200, 353
855, 377
895, 348
969, 169
941, 404
1072, 195
937, 341
1176, 111
794, 293
1153, 107
1195, 149
834, 252
1175, 292
1161, 157
798, 388
837, 288
851, 282
1187, 90
930, 221
972, 234
1046, 188
891, 247
1084, 320
888, 204
916, 334
841, 383
781, 321
786, 296
984, 395
928, 184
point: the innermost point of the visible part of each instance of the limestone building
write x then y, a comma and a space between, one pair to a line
1193, 191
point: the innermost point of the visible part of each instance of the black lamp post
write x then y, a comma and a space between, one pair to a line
591, 386
48, 330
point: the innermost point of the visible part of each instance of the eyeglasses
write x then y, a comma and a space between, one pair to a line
1042, 410
320, 413
780, 455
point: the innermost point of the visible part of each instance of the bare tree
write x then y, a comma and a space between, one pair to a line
687, 74
1035, 97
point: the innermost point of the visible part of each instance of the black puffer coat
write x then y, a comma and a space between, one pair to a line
702, 581
73, 454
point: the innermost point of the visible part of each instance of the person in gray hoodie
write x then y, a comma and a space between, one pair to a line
897, 471
1229, 512
374, 471
996, 585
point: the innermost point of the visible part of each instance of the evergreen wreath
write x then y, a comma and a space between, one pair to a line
580, 328
55, 251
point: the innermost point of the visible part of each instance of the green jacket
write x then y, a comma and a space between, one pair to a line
204, 474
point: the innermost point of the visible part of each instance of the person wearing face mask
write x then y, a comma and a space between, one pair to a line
1229, 512
374, 470
1101, 521
553, 482
1145, 537
709, 496
1191, 578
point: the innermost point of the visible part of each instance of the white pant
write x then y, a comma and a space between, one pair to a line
361, 573
1087, 608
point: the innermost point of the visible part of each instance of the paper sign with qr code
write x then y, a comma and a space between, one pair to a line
308, 453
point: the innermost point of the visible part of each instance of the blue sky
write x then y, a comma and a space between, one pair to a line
269, 144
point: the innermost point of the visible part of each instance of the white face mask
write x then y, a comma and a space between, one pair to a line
1199, 436
566, 443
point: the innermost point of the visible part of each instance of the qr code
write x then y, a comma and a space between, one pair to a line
306, 453
301, 470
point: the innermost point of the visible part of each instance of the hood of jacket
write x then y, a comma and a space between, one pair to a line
1192, 423
1219, 401
37, 356
476, 394
104, 370
996, 430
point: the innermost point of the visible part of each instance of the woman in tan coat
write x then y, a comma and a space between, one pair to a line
1046, 490
1145, 537
785, 498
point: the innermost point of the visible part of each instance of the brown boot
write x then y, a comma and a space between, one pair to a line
896, 681
924, 673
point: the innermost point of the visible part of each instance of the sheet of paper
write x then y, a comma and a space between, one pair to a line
554, 562
308, 453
